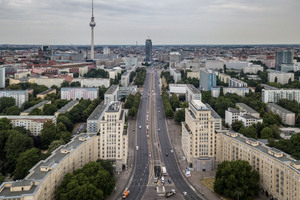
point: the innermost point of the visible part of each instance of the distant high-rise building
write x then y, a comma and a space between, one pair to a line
207, 80
283, 57
148, 50
92, 25
106, 50
2, 77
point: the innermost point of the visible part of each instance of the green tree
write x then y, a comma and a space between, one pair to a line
107, 166
25, 162
236, 180
179, 116
13, 110
91, 182
6, 102
221, 92
248, 132
2, 178
49, 109
66, 121
55, 144
266, 133
237, 125
36, 111
15, 145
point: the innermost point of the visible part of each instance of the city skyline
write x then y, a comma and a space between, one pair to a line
169, 22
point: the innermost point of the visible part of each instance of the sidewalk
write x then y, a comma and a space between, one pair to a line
124, 176
175, 136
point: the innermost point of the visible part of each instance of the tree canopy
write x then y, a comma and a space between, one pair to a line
236, 180
91, 182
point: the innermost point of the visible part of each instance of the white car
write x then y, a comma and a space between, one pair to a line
158, 129
140, 126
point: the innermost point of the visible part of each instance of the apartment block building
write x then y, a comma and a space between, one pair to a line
176, 74
253, 69
39, 106
224, 77
66, 108
113, 137
248, 120
233, 82
215, 91
111, 94
274, 95
279, 172
125, 79
192, 93
78, 93
33, 123
287, 116
42, 95
2, 77
46, 175
93, 82
232, 114
248, 109
21, 96
280, 77
208, 80
198, 136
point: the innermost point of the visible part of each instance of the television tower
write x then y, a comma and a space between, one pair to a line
92, 25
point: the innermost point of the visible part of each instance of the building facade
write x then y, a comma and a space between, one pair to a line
78, 93
148, 50
224, 77
198, 136
215, 92
111, 94
42, 95
2, 77
33, 123
279, 172
125, 79
253, 69
283, 57
207, 80
233, 82
21, 96
280, 77
287, 116
274, 95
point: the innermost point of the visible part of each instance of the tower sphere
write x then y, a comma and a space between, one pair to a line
92, 24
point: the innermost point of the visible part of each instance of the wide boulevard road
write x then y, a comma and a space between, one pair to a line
153, 147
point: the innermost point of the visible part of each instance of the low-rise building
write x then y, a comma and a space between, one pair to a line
279, 172
248, 109
287, 116
42, 95
233, 82
39, 106
124, 92
78, 93
111, 94
176, 74
280, 77
33, 123
248, 120
93, 82
192, 93
253, 69
215, 92
66, 108
231, 115
194, 74
21, 96
177, 88
224, 77
20, 75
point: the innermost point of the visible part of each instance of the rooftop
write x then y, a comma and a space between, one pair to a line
285, 158
213, 112
47, 91
30, 117
193, 89
96, 114
246, 107
112, 89
67, 106
277, 107
114, 106
36, 174
81, 88
199, 105
37, 106
246, 116
268, 87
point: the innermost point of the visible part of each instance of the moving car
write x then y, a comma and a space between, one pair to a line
170, 193
155, 179
125, 193
140, 126
137, 148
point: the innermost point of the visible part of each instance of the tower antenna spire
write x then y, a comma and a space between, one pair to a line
92, 25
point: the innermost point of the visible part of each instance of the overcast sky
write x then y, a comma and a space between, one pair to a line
164, 21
